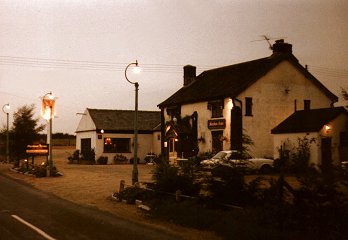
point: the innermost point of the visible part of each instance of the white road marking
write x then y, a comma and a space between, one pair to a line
39, 231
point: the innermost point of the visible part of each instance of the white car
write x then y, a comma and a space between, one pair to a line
229, 158
219, 158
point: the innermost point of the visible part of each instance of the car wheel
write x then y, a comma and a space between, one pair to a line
265, 169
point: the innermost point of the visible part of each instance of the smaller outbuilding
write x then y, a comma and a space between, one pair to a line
326, 130
110, 133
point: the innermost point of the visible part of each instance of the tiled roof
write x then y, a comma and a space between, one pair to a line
123, 120
231, 80
308, 120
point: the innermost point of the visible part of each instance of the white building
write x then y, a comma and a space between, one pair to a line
325, 129
263, 92
111, 132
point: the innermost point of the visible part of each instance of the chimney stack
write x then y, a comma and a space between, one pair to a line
281, 47
189, 74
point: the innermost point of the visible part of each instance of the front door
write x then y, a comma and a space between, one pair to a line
85, 146
217, 141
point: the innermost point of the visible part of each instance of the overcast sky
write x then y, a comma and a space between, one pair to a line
78, 49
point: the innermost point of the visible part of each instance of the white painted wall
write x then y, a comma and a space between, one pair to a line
338, 125
273, 97
156, 143
290, 141
87, 129
272, 105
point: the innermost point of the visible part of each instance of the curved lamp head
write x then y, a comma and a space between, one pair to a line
6, 108
136, 70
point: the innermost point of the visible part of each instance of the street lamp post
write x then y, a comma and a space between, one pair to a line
47, 112
7, 107
135, 161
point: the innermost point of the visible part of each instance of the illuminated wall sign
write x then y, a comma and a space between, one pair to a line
37, 149
217, 124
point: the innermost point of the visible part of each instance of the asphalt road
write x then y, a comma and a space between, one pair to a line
27, 213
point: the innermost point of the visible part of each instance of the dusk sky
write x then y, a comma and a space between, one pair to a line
78, 49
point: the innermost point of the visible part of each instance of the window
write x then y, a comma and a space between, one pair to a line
307, 104
216, 108
248, 106
116, 145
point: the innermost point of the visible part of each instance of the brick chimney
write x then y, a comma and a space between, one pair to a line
281, 47
189, 74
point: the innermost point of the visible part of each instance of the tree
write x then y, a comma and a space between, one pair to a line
25, 130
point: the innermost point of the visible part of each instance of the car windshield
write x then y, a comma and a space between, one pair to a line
220, 155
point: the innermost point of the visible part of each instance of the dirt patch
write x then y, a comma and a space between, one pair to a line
93, 185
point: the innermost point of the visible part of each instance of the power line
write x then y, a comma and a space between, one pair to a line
52, 63
87, 65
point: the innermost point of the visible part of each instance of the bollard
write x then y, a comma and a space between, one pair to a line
178, 195
122, 183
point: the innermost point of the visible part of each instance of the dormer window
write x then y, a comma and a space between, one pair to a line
216, 108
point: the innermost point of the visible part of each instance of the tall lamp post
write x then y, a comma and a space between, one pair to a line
7, 107
47, 112
136, 84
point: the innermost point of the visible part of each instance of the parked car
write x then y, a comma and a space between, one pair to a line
219, 158
230, 158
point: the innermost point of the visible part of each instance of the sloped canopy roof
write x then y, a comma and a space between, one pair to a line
231, 80
123, 120
308, 120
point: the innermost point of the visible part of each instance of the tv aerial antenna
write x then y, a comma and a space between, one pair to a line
267, 38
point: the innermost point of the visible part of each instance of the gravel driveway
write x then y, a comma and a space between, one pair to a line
93, 185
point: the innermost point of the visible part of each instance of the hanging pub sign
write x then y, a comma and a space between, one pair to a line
217, 124
37, 149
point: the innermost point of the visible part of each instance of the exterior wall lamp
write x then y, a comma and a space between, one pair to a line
327, 128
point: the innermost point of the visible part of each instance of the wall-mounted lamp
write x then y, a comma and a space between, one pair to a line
230, 103
327, 128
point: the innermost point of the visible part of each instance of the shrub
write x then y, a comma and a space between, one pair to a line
130, 194
89, 155
167, 178
294, 158
119, 158
74, 156
40, 171
102, 160
231, 189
